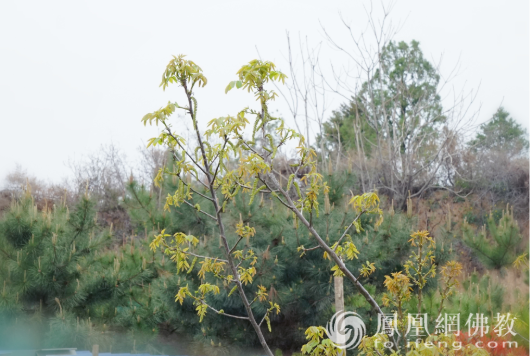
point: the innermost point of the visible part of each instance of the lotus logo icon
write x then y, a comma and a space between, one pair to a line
346, 330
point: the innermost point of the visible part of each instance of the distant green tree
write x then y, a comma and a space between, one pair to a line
404, 82
502, 134
396, 120
340, 129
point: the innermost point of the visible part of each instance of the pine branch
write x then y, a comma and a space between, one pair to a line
142, 205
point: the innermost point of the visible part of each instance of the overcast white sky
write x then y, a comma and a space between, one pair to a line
78, 74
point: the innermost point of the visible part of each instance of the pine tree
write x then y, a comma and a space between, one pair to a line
63, 277
46, 251
497, 245
44, 255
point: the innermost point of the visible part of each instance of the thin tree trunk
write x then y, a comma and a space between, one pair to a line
224, 241
339, 150
360, 152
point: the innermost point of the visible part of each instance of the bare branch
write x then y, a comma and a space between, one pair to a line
201, 211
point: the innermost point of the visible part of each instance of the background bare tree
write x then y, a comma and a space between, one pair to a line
304, 91
45, 194
102, 173
151, 160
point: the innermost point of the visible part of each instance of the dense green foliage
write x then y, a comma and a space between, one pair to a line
120, 293
501, 134
124, 286
71, 282
47, 252
303, 284
405, 82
